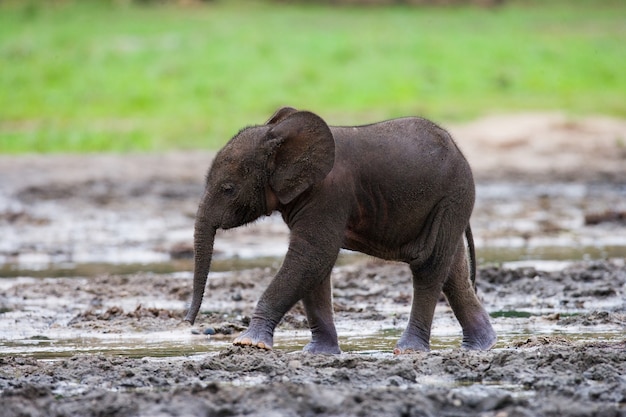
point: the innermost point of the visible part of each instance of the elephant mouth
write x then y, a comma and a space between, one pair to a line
243, 215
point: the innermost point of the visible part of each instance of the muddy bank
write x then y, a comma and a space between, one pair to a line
548, 377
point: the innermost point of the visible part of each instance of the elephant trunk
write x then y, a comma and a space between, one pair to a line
204, 236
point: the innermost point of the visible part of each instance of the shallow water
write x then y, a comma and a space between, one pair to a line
129, 347
182, 344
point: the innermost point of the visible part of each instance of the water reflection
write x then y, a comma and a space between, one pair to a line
161, 345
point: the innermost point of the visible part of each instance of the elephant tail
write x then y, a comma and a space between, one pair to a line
472, 254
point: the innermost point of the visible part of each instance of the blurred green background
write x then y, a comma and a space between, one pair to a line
89, 76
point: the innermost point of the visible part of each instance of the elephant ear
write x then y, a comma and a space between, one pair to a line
281, 114
302, 153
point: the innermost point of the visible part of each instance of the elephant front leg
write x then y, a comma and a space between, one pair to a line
318, 305
260, 332
277, 299
305, 274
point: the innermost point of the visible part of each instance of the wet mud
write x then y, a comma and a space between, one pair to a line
562, 348
95, 267
559, 379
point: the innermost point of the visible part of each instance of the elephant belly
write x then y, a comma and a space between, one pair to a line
374, 247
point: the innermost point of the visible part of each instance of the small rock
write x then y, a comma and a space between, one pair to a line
182, 251
226, 330
209, 331
553, 317
294, 364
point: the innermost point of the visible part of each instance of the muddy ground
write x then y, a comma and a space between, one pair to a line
95, 263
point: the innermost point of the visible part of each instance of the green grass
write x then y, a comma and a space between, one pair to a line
84, 76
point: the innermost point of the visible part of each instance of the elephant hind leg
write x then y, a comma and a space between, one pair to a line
428, 279
459, 290
318, 305
431, 256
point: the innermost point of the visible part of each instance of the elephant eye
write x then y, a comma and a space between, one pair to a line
228, 189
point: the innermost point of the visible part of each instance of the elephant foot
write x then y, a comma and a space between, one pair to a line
408, 345
483, 341
320, 348
478, 334
407, 351
249, 338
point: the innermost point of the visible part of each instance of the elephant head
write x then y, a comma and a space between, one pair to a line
259, 170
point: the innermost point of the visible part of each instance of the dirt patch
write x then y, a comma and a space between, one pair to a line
545, 146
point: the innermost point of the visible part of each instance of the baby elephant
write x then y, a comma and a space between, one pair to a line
398, 190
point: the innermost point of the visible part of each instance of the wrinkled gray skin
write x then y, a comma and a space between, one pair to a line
398, 190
